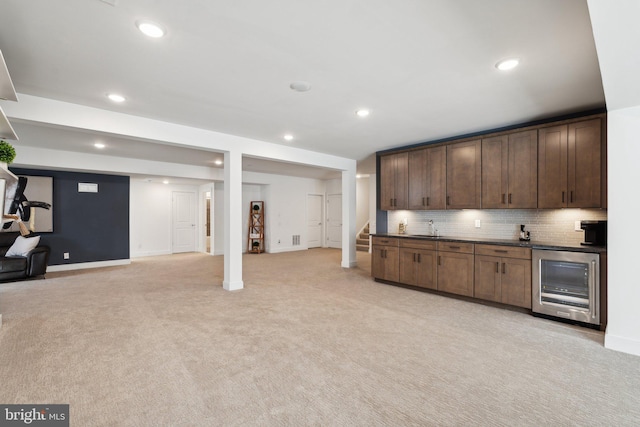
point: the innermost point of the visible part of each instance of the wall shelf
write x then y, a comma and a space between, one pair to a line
7, 91
6, 130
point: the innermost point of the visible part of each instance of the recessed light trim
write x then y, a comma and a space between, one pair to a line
508, 64
166, 181
150, 29
363, 112
288, 137
99, 145
300, 86
218, 162
116, 97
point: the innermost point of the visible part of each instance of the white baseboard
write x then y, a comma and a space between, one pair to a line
625, 345
84, 265
287, 249
149, 253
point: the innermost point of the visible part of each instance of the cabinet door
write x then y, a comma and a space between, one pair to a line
495, 185
418, 179
384, 263
516, 282
418, 267
402, 181
584, 165
487, 278
455, 273
552, 167
523, 170
437, 177
464, 175
428, 178
387, 181
394, 175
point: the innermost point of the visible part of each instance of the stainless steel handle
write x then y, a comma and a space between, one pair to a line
595, 308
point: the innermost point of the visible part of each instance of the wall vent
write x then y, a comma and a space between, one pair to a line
296, 240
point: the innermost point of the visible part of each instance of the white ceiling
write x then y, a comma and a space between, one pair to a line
425, 68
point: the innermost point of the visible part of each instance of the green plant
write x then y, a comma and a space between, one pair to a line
7, 152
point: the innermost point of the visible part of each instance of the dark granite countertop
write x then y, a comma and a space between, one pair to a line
534, 244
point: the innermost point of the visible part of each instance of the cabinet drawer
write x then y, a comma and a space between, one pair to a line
384, 241
465, 248
418, 244
504, 251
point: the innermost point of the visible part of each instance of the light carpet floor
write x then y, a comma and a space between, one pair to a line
160, 343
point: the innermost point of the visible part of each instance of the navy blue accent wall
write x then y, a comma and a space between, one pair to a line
90, 226
381, 216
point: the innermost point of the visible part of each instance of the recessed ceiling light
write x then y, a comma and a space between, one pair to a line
115, 97
150, 29
300, 86
363, 112
288, 137
218, 162
508, 64
99, 145
166, 181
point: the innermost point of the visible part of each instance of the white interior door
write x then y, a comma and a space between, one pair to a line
314, 220
184, 222
334, 221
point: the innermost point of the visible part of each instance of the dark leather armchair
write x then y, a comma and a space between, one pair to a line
18, 267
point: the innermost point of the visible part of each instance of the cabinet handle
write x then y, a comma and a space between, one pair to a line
571, 196
500, 251
497, 267
503, 196
448, 200
414, 257
395, 202
439, 262
423, 202
503, 267
454, 247
419, 258
427, 201
390, 202
563, 197
509, 198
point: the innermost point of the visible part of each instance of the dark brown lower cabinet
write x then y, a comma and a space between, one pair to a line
503, 274
455, 268
418, 263
384, 259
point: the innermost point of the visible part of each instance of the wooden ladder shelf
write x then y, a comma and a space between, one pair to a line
255, 235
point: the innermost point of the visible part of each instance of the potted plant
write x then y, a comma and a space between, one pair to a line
7, 152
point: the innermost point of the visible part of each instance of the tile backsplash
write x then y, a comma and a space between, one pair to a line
555, 226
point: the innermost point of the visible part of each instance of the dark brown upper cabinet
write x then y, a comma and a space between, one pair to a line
394, 179
510, 171
570, 165
428, 178
464, 176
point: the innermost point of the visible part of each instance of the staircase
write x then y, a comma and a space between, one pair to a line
362, 239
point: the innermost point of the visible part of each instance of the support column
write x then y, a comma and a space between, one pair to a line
349, 217
232, 221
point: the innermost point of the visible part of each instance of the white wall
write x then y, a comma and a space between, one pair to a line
362, 202
617, 36
623, 330
150, 217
